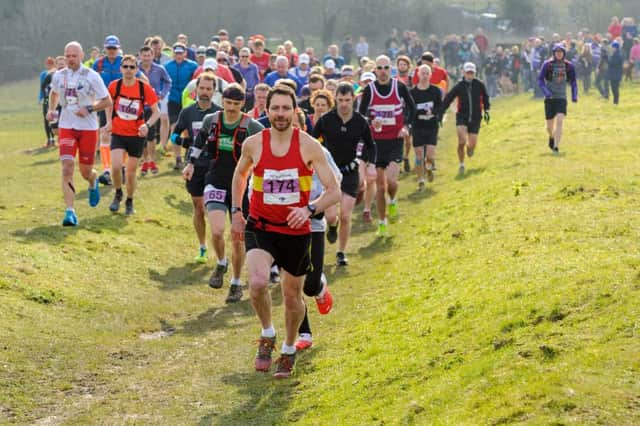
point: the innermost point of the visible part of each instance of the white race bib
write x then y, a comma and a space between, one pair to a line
128, 109
214, 195
281, 187
196, 126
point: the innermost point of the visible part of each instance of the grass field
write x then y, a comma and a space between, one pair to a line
511, 295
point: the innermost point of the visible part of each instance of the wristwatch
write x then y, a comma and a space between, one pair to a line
236, 210
312, 209
89, 108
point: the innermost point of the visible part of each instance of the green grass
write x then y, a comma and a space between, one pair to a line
508, 296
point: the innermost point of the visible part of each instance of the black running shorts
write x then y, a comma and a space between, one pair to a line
291, 252
389, 151
133, 145
553, 107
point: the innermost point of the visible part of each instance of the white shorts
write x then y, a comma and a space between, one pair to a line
164, 102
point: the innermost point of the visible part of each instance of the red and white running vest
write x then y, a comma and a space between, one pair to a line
388, 109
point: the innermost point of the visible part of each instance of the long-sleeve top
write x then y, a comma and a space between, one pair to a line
158, 79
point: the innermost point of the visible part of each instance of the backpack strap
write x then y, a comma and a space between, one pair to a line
240, 135
115, 98
214, 134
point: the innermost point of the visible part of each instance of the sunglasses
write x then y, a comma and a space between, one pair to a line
111, 48
244, 56
129, 67
380, 67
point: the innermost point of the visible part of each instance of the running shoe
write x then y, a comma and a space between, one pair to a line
470, 151
144, 169
178, 165
217, 276
552, 144
153, 167
430, 175
70, 218
115, 204
105, 178
94, 194
304, 342
284, 366
461, 169
235, 294
263, 357
341, 259
128, 207
324, 303
382, 230
332, 234
433, 165
393, 210
556, 151
421, 185
407, 166
202, 257
366, 216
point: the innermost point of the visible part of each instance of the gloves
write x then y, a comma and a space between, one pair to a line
487, 117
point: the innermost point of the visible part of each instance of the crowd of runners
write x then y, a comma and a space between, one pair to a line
283, 145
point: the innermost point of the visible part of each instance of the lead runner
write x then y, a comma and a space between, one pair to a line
278, 228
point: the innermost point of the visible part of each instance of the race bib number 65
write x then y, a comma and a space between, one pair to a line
214, 195
281, 187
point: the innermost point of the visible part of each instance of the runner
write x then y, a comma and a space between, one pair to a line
389, 105
278, 227
403, 66
125, 122
181, 70
161, 83
315, 283
552, 80
45, 88
425, 124
260, 108
281, 72
472, 100
347, 136
76, 88
260, 57
222, 136
250, 74
190, 120
109, 69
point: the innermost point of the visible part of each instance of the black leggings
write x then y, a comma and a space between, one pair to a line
615, 89
47, 127
312, 283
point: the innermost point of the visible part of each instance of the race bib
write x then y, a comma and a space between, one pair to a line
386, 114
196, 126
214, 195
128, 109
426, 109
71, 95
281, 187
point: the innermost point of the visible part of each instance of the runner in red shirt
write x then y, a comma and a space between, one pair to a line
260, 57
128, 129
439, 76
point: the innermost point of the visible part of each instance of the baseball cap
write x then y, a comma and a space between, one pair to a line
112, 41
179, 48
330, 64
211, 52
210, 63
303, 59
469, 67
201, 50
347, 71
368, 76
615, 44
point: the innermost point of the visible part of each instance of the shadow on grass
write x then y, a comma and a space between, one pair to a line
180, 205
179, 276
266, 399
428, 192
56, 234
217, 317
41, 150
45, 162
470, 172
377, 246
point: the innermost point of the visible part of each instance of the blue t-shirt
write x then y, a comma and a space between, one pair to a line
109, 71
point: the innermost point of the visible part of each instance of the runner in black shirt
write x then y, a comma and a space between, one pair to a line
347, 136
428, 99
190, 120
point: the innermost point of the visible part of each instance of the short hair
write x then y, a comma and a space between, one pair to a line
261, 87
157, 40
130, 58
282, 89
288, 82
404, 58
427, 56
146, 48
258, 43
207, 76
323, 94
345, 88
314, 78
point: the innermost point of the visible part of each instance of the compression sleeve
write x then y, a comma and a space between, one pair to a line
365, 100
369, 152
409, 103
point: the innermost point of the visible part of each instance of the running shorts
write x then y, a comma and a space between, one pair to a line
133, 145
82, 141
389, 151
553, 107
291, 252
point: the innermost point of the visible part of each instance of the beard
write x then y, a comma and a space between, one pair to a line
281, 124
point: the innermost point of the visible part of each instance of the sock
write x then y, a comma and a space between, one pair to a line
203, 246
288, 350
235, 281
222, 262
105, 157
306, 337
70, 209
392, 201
129, 200
461, 164
119, 192
382, 222
275, 269
269, 332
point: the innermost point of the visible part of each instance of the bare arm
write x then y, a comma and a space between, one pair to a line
239, 184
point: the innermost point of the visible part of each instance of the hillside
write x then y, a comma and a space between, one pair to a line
510, 295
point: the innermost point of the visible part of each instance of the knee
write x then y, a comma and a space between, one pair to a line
86, 174
217, 232
67, 171
258, 282
293, 302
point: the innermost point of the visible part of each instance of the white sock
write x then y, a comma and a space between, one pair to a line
383, 222
305, 336
275, 269
392, 201
71, 209
269, 332
461, 164
203, 246
288, 350
235, 281
222, 262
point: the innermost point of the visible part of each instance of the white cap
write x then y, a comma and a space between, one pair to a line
210, 63
303, 59
469, 66
368, 76
329, 64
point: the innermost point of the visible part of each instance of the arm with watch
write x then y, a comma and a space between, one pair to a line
143, 130
195, 150
104, 103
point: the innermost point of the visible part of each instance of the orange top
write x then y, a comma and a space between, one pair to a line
128, 113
